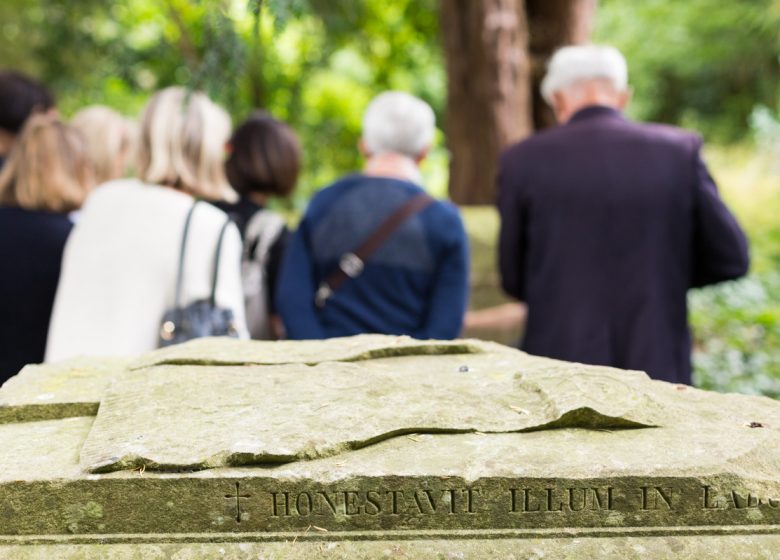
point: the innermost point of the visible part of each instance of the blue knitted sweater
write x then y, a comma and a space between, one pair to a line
416, 283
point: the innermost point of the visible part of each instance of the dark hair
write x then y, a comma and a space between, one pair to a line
265, 156
21, 96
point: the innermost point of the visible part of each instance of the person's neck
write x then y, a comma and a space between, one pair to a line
394, 165
261, 199
6, 143
588, 93
573, 110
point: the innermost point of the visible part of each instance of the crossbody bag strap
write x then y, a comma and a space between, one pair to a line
351, 264
182, 250
217, 253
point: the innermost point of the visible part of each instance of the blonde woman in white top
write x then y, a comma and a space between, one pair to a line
121, 260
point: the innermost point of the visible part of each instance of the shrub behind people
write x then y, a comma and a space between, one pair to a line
48, 174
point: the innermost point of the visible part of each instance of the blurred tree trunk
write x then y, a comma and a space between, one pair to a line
494, 67
488, 102
256, 59
553, 24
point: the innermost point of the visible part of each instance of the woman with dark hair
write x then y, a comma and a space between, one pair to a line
48, 174
20, 97
264, 161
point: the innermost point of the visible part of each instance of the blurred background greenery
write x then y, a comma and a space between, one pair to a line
704, 64
313, 63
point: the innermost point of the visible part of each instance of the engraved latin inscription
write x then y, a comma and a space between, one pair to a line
650, 498
734, 500
375, 502
527, 501
532, 500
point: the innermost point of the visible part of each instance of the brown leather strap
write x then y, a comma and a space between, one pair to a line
351, 264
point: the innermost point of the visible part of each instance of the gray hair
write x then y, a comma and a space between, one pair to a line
397, 122
585, 62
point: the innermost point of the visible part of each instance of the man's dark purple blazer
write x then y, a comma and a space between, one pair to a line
605, 224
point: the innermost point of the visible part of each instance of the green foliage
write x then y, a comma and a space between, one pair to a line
736, 325
313, 63
703, 63
737, 328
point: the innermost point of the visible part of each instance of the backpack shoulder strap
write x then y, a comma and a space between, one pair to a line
261, 233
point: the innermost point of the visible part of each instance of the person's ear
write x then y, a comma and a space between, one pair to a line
559, 106
422, 155
624, 97
363, 149
6, 141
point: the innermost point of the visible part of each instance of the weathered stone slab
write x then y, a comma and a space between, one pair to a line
269, 414
222, 351
511, 455
547, 484
60, 390
44, 450
310, 546
74, 387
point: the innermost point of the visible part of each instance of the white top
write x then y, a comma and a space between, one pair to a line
120, 264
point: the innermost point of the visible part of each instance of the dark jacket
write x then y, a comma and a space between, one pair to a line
31, 245
415, 283
606, 223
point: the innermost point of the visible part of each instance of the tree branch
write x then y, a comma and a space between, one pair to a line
186, 44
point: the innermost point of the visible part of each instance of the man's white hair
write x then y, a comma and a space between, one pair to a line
570, 65
397, 122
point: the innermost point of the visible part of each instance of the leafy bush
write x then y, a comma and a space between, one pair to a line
737, 332
736, 325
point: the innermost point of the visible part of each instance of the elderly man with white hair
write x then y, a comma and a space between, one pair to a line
374, 253
606, 223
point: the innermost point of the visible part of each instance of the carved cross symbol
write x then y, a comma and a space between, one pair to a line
237, 496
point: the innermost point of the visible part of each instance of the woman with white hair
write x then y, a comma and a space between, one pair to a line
374, 253
122, 262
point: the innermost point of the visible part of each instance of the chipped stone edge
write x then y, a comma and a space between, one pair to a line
22, 413
425, 348
583, 418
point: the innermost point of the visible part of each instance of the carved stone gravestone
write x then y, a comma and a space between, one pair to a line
379, 446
